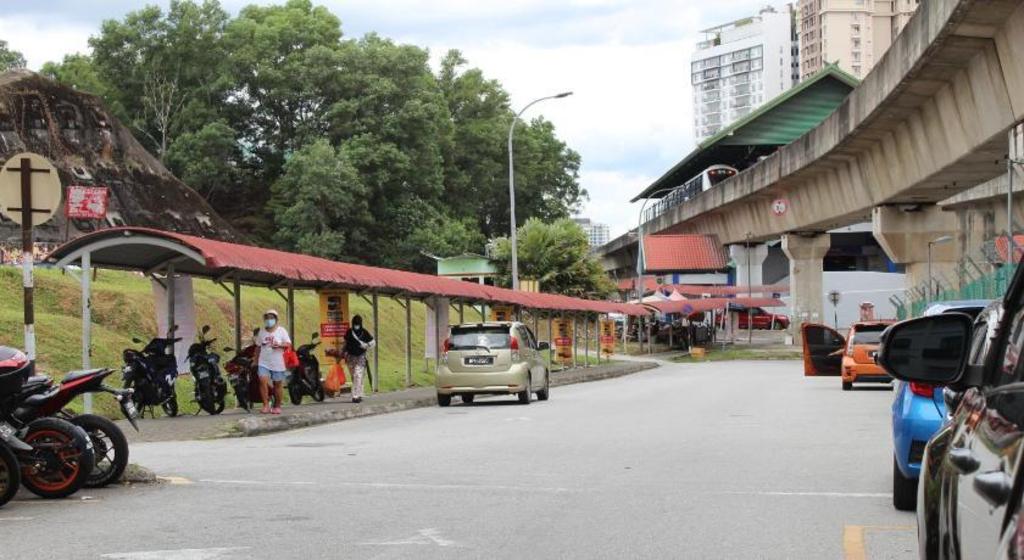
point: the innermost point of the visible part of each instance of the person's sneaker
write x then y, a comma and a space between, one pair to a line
275, 410
265, 409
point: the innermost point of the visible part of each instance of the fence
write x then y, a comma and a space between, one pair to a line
974, 285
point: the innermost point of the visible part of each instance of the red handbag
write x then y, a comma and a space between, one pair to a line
291, 359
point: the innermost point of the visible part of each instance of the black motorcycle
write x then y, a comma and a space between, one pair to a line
210, 387
305, 379
151, 372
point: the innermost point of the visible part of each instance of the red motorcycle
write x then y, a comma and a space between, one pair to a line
243, 375
41, 398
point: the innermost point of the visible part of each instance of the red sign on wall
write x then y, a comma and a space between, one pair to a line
87, 203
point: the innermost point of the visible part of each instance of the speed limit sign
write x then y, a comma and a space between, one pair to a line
779, 206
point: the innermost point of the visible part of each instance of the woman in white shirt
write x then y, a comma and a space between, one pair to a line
273, 340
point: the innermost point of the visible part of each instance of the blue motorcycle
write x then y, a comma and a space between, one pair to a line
151, 373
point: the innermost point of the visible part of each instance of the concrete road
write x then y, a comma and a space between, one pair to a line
717, 460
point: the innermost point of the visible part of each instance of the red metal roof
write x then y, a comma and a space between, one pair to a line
683, 252
688, 306
697, 290
258, 265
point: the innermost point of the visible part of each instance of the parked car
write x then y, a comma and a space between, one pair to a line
501, 358
759, 317
918, 411
972, 482
852, 357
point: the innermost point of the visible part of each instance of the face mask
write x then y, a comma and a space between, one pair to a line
270, 323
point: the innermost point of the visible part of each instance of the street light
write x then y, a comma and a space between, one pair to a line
936, 241
512, 185
640, 242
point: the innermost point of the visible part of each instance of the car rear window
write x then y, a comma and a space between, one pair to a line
492, 338
868, 334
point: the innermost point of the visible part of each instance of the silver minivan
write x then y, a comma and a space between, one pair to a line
499, 358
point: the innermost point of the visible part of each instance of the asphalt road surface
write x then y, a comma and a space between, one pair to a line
717, 460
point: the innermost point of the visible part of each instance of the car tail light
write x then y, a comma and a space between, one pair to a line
514, 346
922, 389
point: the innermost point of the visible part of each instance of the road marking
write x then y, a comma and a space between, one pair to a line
853, 538
813, 494
16, 519
179, 480
422, 537
256, 482
178, 554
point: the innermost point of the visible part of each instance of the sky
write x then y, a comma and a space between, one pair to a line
627, 62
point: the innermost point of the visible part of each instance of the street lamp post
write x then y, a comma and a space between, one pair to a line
512, 185
640, 243
931, 282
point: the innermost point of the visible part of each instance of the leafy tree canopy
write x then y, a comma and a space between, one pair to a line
10, 59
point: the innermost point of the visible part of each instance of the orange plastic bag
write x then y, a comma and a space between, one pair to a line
335, 379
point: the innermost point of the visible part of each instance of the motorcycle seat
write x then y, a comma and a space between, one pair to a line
39, 398
35, 383
80, 373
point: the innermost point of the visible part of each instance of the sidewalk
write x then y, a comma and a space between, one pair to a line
237, 423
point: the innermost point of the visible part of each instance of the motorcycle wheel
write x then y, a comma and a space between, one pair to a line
10, 475
318, 394
295, 393
241, 395
66, 454
110, 447
205, 397
170, 406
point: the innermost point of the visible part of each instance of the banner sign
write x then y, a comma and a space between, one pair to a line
87, 203
607, 337
501, 312
563, 330
334, 321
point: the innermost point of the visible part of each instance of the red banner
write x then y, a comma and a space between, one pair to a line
87, 203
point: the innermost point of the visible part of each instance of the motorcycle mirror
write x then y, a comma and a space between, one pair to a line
315, 336
174, 328
206, 329
255, 332
228, 349
136, 340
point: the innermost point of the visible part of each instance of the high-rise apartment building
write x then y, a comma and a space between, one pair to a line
853, 33
738, 66
597, 234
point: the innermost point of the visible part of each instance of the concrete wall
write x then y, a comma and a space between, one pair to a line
857, 287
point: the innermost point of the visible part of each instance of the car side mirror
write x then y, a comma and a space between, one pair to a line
542, 346
927, 349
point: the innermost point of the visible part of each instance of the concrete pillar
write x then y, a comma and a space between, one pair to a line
805, 271
904, 232
755, 254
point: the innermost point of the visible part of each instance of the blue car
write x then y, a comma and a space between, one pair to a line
918, 411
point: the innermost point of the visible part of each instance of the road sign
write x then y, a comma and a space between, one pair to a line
87, 203
779, 206
28, 175
833, 297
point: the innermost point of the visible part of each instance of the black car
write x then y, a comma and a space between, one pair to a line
972, 480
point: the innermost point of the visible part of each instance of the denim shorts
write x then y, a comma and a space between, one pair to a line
273, 375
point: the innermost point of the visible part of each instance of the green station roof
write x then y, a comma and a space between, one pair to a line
778, 122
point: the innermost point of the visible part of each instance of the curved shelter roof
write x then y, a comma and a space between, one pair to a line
778, 122
147, 250
689, 306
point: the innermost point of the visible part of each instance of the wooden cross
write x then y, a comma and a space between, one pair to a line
26, 171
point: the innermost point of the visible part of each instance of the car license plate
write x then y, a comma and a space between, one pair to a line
129, 409
480, 360
6, 431
203, 374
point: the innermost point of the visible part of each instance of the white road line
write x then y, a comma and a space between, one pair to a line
256, 482
422, 537
179, 554
812, 494
16, 519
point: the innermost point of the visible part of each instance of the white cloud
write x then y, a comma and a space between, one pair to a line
41, 40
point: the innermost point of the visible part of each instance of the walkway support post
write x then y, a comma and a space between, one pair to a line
291, 310
237, 293
376, 348
575, 340
87, 321
551, 339
170, 302
462, 312
586, 340
408, 341
625, 329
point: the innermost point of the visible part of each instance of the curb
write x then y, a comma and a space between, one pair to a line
256, 426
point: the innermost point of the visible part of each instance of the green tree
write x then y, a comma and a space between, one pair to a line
319, 204
79, 72
207, 160
10, 59
558, 255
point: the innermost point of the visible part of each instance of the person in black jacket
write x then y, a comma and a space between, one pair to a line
357, 341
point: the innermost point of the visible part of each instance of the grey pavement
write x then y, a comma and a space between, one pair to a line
710, 460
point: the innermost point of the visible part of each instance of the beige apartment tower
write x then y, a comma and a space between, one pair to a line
853, 33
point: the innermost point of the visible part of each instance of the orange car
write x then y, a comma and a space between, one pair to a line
826, 352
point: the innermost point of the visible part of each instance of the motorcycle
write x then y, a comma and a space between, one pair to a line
243, 375
109, 442
151, 373
57, 456
210, 387
10, 473
305, 379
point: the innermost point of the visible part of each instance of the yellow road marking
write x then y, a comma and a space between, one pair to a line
180, 480
853, 538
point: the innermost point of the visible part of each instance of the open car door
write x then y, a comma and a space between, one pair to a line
823, 349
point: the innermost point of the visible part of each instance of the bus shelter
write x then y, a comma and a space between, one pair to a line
162, 254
